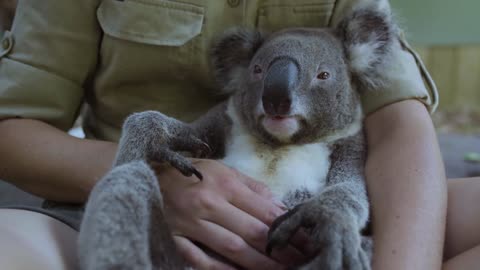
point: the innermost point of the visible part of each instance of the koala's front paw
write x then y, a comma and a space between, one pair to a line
190, 143
334, 235
155, 137
167, 153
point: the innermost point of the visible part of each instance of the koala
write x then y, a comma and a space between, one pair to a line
293, 120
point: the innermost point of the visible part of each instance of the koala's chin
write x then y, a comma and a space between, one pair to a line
281, 128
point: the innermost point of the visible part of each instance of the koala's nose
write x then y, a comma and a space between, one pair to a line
279, 82
279, 106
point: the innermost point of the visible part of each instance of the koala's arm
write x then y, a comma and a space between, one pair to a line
213, 128
153, 136
346, 190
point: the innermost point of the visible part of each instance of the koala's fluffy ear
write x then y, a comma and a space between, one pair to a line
368, 35
231, 55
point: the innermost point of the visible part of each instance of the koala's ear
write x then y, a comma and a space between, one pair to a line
368, 35
231, 55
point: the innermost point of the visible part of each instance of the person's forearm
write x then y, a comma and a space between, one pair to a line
49, 163
407, 188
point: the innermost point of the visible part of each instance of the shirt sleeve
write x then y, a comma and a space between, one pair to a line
407, 77
46, 60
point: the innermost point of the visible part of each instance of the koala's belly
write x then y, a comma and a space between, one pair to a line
292, 172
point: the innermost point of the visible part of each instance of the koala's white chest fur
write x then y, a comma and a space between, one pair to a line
286, 169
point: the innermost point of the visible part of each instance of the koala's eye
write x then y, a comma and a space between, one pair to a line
257, 69
323, 75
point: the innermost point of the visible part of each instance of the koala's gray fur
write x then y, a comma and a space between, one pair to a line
270, 79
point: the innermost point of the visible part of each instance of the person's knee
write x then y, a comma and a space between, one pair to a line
31, 240
16, 253
463, 219
469, 259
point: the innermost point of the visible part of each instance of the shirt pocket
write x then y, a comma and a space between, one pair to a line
150, 30
274, 15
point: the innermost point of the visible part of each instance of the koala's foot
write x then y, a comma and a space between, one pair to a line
124, 226
334, 235
156, 137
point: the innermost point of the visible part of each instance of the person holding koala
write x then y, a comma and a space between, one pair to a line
121, 58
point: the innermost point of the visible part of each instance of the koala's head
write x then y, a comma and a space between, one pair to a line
301, 84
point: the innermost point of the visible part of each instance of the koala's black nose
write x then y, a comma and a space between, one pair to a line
276, 107
281, 78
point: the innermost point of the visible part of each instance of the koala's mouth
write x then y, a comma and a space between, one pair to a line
281, 127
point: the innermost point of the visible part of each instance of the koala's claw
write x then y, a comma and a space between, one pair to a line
193, 145
281, 232
197, 174
203, 151
190, 171
185, 167
335, 237
179, 162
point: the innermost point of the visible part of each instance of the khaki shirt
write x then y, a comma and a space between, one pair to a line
122, 56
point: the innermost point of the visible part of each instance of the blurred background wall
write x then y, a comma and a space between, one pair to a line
447, 36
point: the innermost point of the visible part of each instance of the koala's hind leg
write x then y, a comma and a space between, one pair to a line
151, 135
367, 247
124, 227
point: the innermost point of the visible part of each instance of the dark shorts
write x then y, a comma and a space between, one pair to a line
70, 215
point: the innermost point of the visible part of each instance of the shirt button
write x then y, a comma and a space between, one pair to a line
233, 3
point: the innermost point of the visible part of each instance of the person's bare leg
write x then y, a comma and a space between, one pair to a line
467, 260
462, 239
30, 240
463, 216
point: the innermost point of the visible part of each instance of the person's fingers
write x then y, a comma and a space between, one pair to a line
232, 247
255, 186
250, 202
253, 231
196, 257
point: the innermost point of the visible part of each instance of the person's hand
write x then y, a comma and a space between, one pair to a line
227, 212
